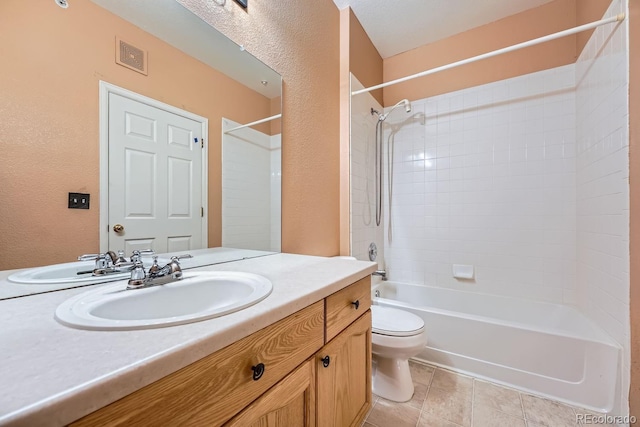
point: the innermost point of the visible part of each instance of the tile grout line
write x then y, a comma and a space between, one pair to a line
424, 403
524, 414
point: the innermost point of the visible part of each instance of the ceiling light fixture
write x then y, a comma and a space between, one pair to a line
62, 3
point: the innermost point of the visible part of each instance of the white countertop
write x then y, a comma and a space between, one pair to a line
51, 374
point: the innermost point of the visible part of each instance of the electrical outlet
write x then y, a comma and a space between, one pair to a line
78, 201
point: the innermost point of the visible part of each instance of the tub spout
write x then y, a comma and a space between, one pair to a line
381, 273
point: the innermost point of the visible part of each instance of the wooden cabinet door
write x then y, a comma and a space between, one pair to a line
290, 403
344, 384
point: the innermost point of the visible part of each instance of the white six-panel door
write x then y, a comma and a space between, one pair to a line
155, 177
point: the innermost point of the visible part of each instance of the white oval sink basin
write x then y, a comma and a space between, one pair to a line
198, 296
68, 273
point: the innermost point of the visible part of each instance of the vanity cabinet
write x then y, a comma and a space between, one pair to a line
344, 380
312, 368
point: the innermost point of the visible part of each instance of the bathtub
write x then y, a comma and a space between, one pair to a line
541, 348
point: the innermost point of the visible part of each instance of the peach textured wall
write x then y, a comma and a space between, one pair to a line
364, 60
549, 18
49, 128
300, 40
634, 170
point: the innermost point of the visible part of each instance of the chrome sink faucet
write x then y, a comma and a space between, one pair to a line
110, 263
171, 272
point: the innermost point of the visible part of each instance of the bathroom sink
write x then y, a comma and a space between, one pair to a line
68, 274
198, 296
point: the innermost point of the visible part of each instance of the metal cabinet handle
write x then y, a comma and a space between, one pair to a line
325, 361
356, 304
258, 370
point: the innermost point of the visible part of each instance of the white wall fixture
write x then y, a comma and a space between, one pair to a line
464, 272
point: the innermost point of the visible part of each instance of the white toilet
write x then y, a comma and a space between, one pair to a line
397, 335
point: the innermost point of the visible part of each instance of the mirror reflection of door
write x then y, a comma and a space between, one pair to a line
156, 176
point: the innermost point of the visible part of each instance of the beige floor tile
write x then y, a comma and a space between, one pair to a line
391, 414
429, 420
421, 374
547, 412
449, 405
500, 398
486, 416
450, 381
366, 424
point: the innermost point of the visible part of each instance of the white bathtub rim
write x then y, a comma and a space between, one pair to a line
601, 337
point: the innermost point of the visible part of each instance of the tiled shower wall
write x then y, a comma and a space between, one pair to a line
486, 177
363, 197
603, 182
250, 203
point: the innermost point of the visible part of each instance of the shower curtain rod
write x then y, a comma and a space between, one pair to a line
257, 122
539, 40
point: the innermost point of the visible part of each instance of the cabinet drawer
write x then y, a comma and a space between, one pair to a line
215, 388
341, 310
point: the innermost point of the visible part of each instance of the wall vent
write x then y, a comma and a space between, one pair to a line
131, 57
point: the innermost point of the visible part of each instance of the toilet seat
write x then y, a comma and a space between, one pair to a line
393, 322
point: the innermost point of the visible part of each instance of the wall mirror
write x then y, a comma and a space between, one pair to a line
56, 120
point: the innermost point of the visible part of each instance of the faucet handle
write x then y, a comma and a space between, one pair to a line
137, 254
155, 268
120, 259
89, 257
179, 257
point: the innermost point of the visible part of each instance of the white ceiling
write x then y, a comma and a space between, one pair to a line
397, 26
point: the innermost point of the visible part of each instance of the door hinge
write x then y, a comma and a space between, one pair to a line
202, 143
201, 212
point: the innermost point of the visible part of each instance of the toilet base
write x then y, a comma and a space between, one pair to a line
391, 379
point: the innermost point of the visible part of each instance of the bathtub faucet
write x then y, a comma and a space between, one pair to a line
381, 273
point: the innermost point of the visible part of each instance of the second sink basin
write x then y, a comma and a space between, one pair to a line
198, 296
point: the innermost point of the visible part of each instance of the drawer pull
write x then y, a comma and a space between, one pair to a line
356, 304
258, 370
325, 361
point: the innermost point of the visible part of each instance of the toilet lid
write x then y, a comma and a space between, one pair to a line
392, 321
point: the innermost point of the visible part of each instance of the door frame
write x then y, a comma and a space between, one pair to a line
108, 88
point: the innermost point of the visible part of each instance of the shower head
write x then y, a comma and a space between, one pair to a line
404, 102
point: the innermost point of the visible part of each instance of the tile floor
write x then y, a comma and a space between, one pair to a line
445, 399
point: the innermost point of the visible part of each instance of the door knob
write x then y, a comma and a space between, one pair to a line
118, 228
